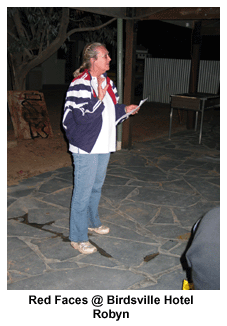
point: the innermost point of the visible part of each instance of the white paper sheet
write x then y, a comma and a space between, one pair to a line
129, 113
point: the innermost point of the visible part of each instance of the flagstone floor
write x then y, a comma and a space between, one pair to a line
152, 196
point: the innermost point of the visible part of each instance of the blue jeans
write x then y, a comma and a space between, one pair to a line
89, 176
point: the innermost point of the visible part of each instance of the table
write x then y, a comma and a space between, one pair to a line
198, 102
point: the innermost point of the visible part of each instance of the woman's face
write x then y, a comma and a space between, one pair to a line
102, 63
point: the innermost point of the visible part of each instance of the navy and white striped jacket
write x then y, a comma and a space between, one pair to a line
82, 118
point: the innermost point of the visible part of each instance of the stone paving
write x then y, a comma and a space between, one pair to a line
152, 196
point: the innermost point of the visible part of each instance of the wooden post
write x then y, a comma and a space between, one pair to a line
119, 74
129, 85
194, 74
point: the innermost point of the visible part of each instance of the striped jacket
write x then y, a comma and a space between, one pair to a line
82, 118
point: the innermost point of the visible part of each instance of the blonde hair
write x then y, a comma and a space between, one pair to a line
90, 51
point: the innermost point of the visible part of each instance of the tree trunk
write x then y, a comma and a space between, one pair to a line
17, 74
20, 81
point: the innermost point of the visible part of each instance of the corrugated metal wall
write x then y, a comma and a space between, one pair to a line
164, 77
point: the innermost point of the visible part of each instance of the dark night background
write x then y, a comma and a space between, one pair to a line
162, 39
165, 40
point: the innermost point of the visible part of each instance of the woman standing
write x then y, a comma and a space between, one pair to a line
91, 109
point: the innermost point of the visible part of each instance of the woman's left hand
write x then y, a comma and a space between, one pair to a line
131, 107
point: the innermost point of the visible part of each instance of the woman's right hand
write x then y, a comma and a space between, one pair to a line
101, 91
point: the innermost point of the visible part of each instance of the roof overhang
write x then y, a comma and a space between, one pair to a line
182, 16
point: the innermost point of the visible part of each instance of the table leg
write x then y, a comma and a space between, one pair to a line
196, 119
201, 125
170, 122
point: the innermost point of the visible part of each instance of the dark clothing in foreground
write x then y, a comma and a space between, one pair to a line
203, 256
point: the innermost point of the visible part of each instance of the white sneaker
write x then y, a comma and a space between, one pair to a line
84, 247
101, 230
